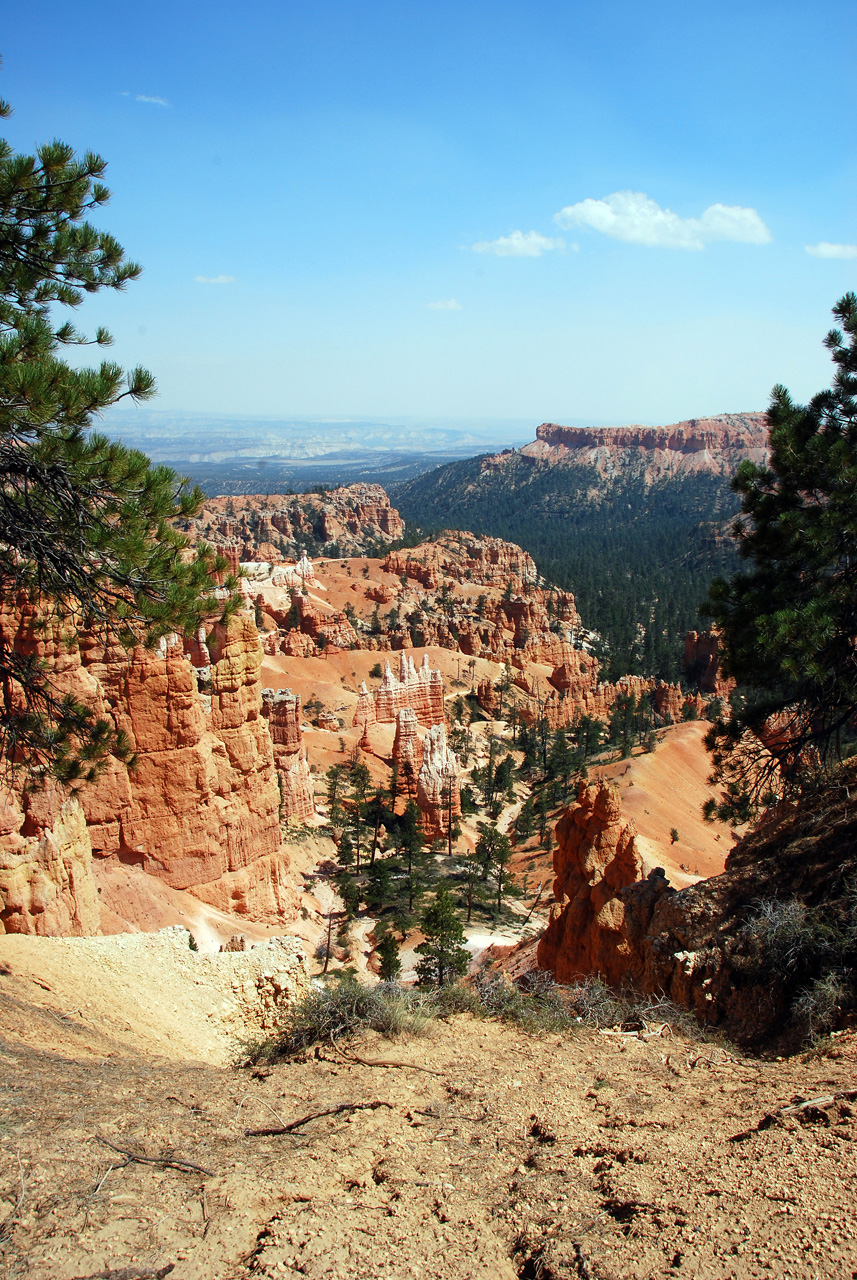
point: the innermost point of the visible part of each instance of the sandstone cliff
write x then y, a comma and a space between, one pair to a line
743, 949
354, 519
596, 856
702, 663
282, 709
419, 688
199, 809
714, 445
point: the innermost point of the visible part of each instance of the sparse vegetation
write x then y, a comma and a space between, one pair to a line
538, 1005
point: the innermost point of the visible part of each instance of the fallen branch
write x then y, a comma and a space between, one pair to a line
385, 1062
132, 1273
166, 1162
794, 1108
316, 1115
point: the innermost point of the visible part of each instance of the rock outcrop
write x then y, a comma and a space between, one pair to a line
282, 709
713, 946
715, 445
420, 688
347, 521
702, 663
46, 882
407, 747
464, 557
438, 784
596, 856
200, 807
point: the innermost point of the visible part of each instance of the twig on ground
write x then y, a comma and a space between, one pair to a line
693, 1059
316, 1115
822, 1101
165, 1161
132, 1273
385, 1062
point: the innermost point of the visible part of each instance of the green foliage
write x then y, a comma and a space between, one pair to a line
336, 1011
390, 965
86, 524
618, 554
789, 620
444, 956
343, 1008
811, 951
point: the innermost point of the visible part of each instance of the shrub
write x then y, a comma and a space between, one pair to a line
330, 1013
810, 952
538, 1006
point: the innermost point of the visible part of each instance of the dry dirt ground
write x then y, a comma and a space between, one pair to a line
483, 1152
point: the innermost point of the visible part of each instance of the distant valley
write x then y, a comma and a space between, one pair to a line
634, 520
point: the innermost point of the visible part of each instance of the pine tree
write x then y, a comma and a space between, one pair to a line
444, 956
389, 963
789, 621
86, 525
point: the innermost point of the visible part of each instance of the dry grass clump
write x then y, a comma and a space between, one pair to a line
537, 1005
812, 952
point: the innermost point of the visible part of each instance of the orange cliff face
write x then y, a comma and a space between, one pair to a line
713, 445
199, 810
282, 709
269, 527
420, 688
597, 856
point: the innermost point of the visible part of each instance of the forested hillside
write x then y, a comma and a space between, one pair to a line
638, 556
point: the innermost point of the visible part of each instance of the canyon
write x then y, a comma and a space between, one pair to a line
430, 666
227, 764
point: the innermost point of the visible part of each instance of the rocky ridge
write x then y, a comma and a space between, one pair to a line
714, 445
345, 521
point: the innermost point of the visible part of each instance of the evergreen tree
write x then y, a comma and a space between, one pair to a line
444, 956
86, 524
390, 966
789, 621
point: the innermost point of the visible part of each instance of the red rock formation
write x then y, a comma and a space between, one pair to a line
365, 710
438, 786
407, 747
282, 708
419, 688
380, 593
702, 663
714, 445
199, 810
465, 557
354, 517
230, 553
487, 695
595, 857
332, 628
46, 881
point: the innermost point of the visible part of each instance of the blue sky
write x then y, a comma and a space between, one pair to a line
539, 211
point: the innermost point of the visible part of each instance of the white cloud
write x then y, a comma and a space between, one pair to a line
633, 217
214, 279
520, 244
145, 97
827, 250
449, 304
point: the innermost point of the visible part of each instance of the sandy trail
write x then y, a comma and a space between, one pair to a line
521, 1156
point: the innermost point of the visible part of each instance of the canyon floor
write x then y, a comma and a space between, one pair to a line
475, 1151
